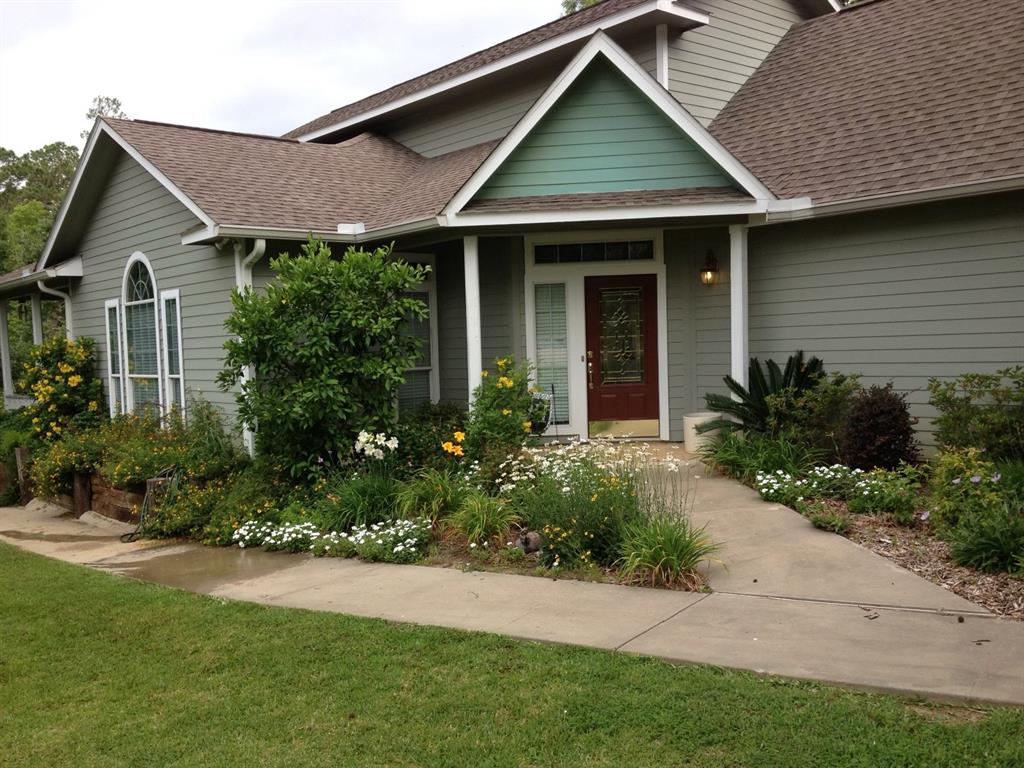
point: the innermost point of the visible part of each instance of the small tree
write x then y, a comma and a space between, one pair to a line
329, 347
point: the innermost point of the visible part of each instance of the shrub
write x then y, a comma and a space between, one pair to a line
61, 377
54, 464
962, 484
750, 407
879, 430
329, 345
185, 510
745, 455
979, 410
665, 552
431, 493
813, 417
990, 539
503, 416
1011, 480
421, 433
887, 492
208, 448
257, 492
482, 518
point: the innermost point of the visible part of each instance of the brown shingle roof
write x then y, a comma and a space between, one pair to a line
263, 181
469, 63
588, 200
893, 96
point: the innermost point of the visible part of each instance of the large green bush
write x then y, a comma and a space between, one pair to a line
329, 348
815, 416
982, 410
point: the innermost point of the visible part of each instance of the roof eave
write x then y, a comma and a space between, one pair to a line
667, 9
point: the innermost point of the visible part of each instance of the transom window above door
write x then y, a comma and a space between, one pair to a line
576, 253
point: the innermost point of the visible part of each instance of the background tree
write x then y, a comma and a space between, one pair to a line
102, 106
571, 6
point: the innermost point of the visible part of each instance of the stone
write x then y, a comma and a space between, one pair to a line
529, 542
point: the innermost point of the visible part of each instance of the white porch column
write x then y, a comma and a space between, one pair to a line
37, 319
474, 337
739, 323
5, 352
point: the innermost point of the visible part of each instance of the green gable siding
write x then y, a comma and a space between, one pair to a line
603, 135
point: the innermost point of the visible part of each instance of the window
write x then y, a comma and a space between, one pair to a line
421, 381
144, 355
552, 348
572, 253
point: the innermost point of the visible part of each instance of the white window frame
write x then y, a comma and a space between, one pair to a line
573, 274
129, 399
114, 304
430, 288
165, 296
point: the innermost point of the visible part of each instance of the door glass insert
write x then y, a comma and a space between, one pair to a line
622, 336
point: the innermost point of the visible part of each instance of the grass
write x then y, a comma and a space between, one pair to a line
101, 671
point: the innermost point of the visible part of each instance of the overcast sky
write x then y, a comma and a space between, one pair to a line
261, 66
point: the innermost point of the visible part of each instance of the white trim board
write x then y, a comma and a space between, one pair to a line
697, 18
602, 45
573, 276
99, 129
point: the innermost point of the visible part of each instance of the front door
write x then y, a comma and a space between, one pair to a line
622, 356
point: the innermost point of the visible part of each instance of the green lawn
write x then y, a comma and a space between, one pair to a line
99, 671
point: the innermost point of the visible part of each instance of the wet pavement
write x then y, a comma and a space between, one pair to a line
791, 600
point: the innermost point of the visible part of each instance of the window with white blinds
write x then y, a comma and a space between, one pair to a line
144, 355
552, 363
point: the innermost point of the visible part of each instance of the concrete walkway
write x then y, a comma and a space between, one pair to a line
792, 601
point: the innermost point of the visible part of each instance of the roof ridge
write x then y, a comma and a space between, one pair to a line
114, 120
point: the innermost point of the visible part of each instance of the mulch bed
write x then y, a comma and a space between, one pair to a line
919, 550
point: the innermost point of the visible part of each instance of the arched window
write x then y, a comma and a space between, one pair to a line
144, 359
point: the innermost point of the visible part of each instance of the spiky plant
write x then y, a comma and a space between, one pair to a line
749, 408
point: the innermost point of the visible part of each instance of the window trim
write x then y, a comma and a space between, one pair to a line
165, 296
129, 400
429, 287
114, 304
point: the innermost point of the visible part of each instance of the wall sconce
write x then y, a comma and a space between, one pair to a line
709, 272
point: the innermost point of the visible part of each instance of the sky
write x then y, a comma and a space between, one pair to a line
260, 66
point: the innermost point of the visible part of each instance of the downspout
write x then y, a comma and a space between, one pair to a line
69, 327
243, 280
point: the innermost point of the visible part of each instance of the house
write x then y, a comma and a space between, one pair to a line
637, 197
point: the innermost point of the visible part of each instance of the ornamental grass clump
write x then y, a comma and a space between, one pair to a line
482, 518
665, 552
431, 493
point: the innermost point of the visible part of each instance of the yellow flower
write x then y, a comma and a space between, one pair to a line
505, 382
64, 367
460, 436
93, 405
506, 411
484, 373
74, 381
527, 426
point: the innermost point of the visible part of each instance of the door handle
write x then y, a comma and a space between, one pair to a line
590, 370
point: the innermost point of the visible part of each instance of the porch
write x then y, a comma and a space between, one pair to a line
34, 303
628, 327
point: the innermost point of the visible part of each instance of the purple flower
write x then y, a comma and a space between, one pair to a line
975, 479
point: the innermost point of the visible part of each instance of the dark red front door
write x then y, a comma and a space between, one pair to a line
622, 355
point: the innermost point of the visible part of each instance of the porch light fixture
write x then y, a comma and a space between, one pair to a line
709, 272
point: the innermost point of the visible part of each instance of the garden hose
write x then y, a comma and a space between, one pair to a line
172, 475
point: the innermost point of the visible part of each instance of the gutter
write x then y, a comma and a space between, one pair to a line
243, 280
